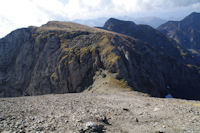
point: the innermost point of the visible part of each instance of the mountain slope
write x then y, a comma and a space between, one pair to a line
61, 57
154, 38
186, 32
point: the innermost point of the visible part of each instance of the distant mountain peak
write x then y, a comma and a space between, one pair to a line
119, 25
186, 32
114, 21
195, 13
194, 17
118, 20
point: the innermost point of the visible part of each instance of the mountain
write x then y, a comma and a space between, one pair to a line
63, 57
152, 21
154, 38
99, 22
186, 32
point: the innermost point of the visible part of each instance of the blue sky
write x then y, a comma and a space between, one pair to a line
22, 13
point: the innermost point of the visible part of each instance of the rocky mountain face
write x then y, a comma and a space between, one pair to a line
186, 32
154, 38
61, 57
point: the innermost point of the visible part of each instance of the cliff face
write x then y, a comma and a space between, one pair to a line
63, 57
14, 68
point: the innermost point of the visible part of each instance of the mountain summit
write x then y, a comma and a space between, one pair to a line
120, 26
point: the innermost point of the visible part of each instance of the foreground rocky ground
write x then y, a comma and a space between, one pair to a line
121, 112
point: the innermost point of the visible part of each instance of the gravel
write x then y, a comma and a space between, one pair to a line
121, 112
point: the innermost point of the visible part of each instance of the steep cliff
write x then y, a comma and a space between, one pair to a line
61, 57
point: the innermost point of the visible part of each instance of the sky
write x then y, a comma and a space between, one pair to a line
22, 13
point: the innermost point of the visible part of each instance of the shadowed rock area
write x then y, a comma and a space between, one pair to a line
61, 57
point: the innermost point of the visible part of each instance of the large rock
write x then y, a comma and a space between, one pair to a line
63, 57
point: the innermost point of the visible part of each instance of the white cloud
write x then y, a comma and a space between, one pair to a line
22, 13
107, 8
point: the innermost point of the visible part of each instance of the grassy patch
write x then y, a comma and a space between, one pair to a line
104, 41
107, 49
54, 76
118, 83
196, 104
84, 50
112, 58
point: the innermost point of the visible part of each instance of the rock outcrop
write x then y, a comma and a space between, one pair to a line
61, 57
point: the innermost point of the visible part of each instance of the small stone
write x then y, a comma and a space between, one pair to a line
89, 124
155, 124
141, 113
103, 75
148, 104
156, 109
80, 121
136, 119
2, 119
105, 120
159, 132
93, 127
125, 109
52, 128
40, 128
18, 123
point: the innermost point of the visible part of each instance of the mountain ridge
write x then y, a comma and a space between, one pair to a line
61, 57
153, 37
